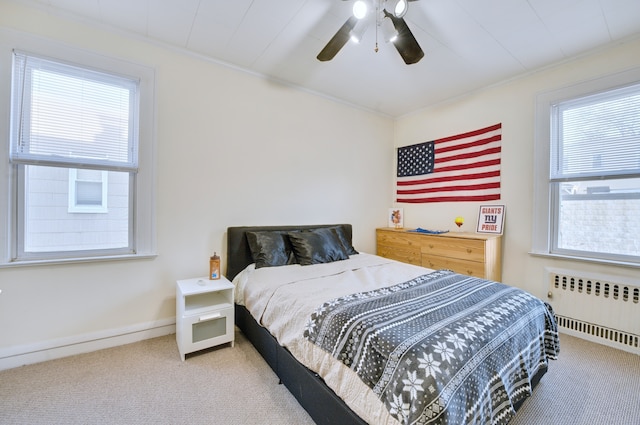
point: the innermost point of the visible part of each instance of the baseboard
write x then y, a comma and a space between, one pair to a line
17, 356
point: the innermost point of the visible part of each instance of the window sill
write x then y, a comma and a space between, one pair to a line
586, 260
33, 263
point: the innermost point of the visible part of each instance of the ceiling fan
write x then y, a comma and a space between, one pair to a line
389, 23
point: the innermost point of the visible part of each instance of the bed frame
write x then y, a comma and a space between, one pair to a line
322, 404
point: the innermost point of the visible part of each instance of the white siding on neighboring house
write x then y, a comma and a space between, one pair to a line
50, 224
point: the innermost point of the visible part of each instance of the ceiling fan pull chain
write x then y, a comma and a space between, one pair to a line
378, 20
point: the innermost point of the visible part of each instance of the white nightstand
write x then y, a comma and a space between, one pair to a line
204, 314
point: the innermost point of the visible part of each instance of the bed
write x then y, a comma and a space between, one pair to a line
358, 338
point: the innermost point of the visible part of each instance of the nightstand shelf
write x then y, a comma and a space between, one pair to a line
204, 314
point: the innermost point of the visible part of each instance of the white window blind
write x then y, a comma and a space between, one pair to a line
71, 116
596, 136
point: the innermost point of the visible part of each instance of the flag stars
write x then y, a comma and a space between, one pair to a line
416, 159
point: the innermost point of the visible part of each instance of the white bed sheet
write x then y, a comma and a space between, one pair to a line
282, 299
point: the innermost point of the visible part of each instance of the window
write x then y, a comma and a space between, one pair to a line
80, 159
588, 193
88, 191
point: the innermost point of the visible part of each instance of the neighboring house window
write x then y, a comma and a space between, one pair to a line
81, 157
588, 193
88, 191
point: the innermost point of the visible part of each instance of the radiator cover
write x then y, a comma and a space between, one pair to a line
599, 308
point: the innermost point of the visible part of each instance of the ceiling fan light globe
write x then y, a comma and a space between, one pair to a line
388, 31
397, 7
360, 9
357, 32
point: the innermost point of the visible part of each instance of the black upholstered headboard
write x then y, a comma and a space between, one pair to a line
238, 252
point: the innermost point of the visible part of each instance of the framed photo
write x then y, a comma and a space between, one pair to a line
396, 218
491, 219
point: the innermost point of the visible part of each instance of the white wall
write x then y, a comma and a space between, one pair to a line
232, 149
513, 104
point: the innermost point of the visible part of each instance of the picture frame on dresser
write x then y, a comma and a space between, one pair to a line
491, 219
396, 218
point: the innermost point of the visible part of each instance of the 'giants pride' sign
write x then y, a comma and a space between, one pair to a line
491, 219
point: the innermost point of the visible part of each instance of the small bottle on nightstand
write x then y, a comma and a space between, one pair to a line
214, 267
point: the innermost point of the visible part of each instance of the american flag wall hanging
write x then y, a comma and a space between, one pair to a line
465, 167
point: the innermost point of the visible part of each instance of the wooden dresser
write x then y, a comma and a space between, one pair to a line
472, 254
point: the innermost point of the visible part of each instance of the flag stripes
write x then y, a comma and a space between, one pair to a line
464, 167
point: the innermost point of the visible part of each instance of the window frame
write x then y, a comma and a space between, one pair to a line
546, 194
142, 191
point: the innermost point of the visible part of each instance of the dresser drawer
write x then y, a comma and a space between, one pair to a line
399, 240
470, 268
411, 256
464, 249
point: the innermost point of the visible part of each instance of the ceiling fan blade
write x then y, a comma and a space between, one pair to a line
406, 43
338, 40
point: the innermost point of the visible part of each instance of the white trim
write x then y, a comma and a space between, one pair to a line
71, 260
586, 260
21, 355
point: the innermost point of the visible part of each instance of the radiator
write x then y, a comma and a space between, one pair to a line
600, 308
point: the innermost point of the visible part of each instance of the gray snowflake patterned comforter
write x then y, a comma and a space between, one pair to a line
441, 348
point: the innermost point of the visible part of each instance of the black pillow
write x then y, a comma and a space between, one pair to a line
270, 249
342, 236
317, 246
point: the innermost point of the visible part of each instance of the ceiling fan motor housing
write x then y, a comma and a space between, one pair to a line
397, 8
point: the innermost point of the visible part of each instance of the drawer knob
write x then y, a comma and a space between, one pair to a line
468, 251
431, 246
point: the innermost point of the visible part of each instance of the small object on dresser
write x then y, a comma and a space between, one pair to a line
428, 231
214, 267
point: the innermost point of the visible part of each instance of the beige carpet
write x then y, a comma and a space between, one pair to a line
146, 383
589, 384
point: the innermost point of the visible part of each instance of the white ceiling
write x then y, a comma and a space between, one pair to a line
468, 44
